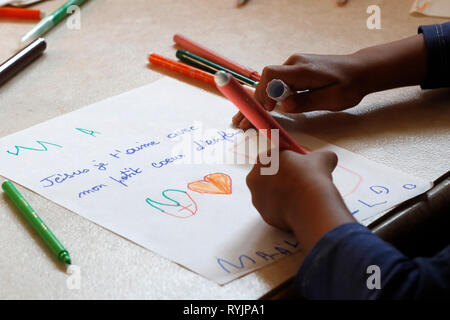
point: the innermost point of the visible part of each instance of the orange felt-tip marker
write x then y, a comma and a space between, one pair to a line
20, 13
182, 68
187, 70
254, 111
208, 54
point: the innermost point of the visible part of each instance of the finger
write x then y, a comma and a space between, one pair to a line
237, 118
260, 91
252, 176
298, 77
294, 59
245, 124
291, 60
262, 97
283, 72
321, 99
269, 105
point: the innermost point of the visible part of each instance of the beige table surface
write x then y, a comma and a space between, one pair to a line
405, 128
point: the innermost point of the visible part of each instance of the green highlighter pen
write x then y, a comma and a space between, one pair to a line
36, 222
211, 67
50, 21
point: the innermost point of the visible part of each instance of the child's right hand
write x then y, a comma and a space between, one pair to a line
301, 196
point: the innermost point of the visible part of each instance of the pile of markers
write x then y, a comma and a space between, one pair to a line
233, 80
201, 63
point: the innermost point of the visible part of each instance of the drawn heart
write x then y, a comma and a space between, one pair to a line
214, 183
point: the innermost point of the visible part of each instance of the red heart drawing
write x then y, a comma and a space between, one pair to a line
214, 183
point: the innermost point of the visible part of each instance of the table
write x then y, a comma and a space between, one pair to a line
406, 128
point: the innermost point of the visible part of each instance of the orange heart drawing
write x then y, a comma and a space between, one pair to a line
214, 183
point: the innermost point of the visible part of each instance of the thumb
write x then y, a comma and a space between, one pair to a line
307, 101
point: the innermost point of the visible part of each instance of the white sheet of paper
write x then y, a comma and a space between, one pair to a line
116, 163
434, 8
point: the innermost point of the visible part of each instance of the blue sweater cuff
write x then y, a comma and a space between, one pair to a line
437, 41
314, 279
341, 264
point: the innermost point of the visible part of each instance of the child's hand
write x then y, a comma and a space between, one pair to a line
301, 197
338, 82
334, 83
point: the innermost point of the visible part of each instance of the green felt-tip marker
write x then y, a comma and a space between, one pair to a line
211, 67
51, 20
36, 222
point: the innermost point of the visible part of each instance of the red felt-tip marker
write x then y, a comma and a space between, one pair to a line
253, 110
208, 54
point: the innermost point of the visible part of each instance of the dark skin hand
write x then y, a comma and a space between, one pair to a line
338, 82
301, 197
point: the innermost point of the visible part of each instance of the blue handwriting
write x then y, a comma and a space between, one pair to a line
220, 137
167, 161
181, 132
126, 174
92, 190
62, 177
262, 255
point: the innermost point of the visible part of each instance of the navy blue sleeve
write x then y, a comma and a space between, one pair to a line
337, 268
437, 41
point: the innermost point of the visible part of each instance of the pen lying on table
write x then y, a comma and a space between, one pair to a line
20, 60
36, 222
